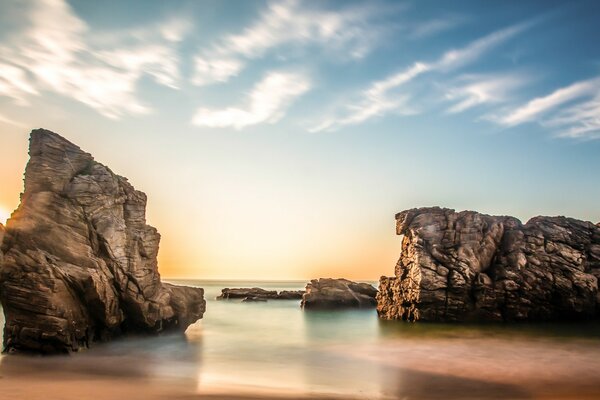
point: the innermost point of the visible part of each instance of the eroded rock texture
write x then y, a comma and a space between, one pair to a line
338, 293
79, 260
469, 266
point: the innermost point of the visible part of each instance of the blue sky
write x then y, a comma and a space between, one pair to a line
289, 133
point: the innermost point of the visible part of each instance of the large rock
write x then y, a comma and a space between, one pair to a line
469, 266
79, 260
338, 293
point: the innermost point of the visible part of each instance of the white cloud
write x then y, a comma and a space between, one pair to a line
15, 84
381, 97
474, 90
286, 23
57, 51
460, 57
580, 121
267, 103
540, 105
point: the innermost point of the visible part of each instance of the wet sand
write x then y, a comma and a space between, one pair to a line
415, 368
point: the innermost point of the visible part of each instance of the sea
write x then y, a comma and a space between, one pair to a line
275, 347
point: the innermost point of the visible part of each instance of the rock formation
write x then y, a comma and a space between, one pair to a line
469, 266
79, 260
338, 293
254, 294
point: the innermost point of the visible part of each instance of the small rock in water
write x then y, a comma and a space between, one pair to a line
328, 293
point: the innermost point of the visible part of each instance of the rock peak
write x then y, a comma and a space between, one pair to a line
80, 263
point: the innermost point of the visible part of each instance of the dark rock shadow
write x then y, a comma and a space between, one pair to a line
411, 384
167, 356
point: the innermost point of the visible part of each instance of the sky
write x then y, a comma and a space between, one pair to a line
277, 139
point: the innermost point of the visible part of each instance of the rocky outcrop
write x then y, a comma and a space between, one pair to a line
80, 263
328, 293
255, 294
461, 266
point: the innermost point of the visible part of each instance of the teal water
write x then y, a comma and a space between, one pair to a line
275, 347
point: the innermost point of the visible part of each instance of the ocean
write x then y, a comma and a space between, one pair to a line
277, 348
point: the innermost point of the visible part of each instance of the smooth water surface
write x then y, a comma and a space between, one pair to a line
275, 347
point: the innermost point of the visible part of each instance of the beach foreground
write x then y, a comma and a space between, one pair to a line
276, 350
526, 369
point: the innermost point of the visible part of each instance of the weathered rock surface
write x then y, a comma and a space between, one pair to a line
259, 293
338, 293
290, 295
461, 266
79, 260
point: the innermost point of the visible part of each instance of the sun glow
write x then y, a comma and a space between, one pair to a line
4, 215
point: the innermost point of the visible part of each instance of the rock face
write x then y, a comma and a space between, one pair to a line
469, 266
328, 293
79, 260
256, 294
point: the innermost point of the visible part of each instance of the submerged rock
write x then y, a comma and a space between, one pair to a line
461, 266
254, 300
80, 263
259, 293
338, 293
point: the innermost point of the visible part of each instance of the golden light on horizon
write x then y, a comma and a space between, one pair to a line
4, 215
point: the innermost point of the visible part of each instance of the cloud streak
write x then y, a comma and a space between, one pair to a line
572, 111
288, 23
57, 52
267, 103
475, 90
540, 105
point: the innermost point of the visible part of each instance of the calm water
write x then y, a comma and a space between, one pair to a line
277, 347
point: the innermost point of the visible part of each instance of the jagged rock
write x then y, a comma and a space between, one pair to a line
338, 293
259, 293
79, 260
469, 266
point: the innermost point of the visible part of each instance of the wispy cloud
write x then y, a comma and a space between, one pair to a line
288, 23
57, 51
533, 109
267, 103
474, 90
375, 100
470, 53
581, 121
572, 111
382, 97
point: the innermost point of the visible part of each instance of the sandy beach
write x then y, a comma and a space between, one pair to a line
425, 368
